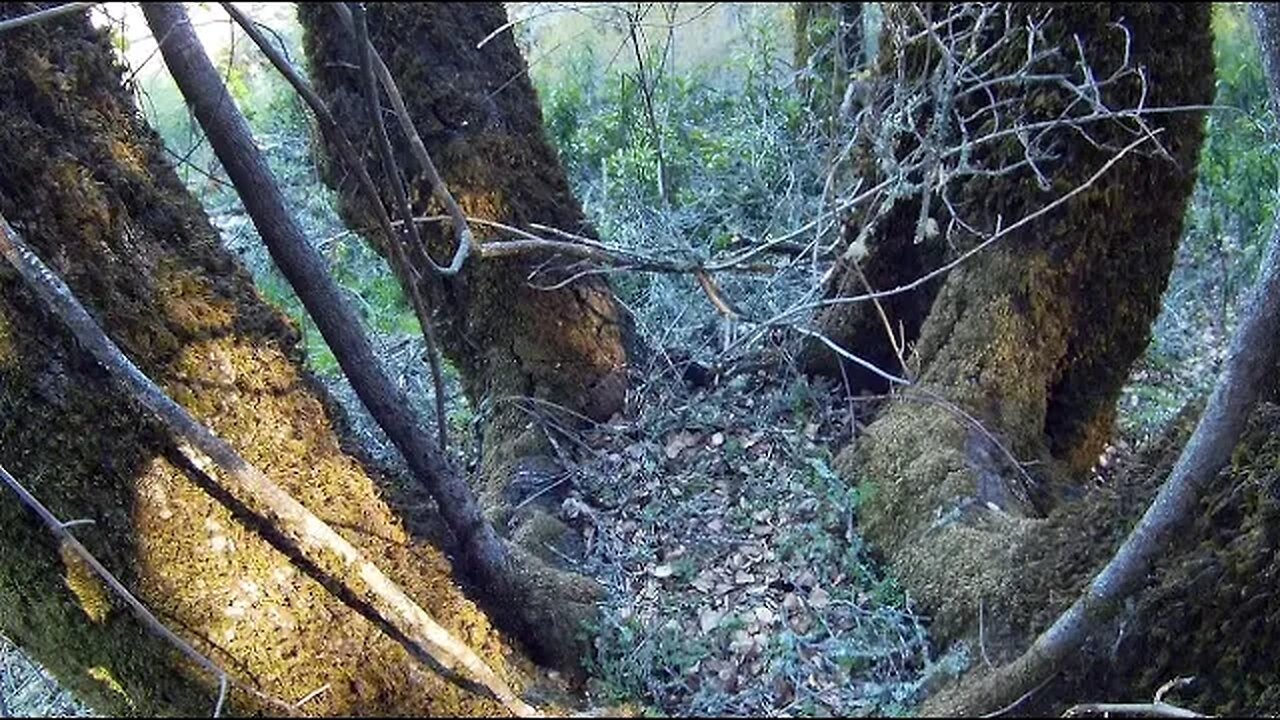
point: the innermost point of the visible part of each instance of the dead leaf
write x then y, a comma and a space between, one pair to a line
819, 599
662, 571
708, 620
678, 442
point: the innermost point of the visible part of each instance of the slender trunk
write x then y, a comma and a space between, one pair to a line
89, 186
303, 266
518, 593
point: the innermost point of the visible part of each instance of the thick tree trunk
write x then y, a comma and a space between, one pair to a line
479, 119
86, 182
1161, 530
1033, 338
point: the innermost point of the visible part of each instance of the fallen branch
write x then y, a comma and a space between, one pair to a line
45, 14
1155, 709
311, 536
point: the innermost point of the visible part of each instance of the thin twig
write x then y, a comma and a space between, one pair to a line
1155, 709
45, 14
1021, 699
392, 172
64, 536
352, 18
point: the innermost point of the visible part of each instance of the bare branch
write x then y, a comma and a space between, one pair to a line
1154, 709
64, 536
351, 160
46, 14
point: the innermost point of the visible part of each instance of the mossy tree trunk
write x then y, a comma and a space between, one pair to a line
479, 117
1208, 610
87, 183
1033, 338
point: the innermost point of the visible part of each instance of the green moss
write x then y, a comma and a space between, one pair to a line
86, 182
88, 588
1033, 338
508, 339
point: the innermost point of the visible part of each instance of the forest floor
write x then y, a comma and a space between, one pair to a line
737, 580
28, 690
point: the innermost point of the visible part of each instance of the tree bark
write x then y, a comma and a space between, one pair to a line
478, 117
1033, 338
1251, 358
520, 593
87, 183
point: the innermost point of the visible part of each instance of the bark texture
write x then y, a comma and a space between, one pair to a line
1161, 531
479, 119
1034, 337
87, 183
1208, 610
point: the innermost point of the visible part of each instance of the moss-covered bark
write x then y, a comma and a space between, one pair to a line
1209, 609
479, 118
1034, 336
86, 182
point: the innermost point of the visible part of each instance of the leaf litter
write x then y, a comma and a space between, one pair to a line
737, 582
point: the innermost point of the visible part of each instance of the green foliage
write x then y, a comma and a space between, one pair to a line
730, 148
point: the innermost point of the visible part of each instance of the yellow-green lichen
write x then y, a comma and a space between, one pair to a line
85, 584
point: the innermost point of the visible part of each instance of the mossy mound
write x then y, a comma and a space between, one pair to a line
1210, 609
1207, 611
87, 183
